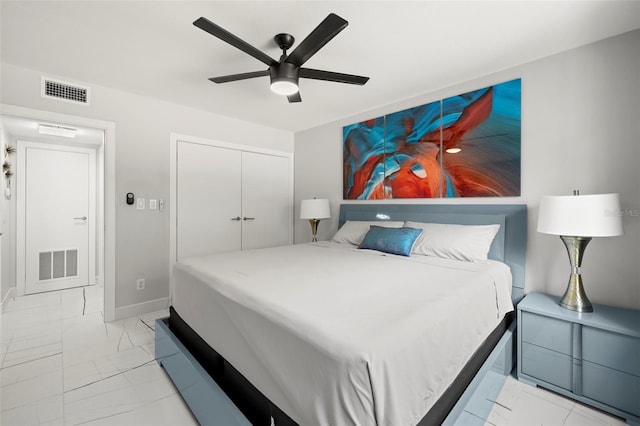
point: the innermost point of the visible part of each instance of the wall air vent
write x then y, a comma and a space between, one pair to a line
60, 90
57, 264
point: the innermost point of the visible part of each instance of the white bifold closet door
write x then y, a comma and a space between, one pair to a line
266, 204
228, 200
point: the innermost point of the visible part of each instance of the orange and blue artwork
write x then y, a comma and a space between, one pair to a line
462, 146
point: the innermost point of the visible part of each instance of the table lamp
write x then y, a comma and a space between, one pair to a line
576, 219
315, 210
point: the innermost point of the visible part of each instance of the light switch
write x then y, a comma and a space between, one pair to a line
140, 204
153, 204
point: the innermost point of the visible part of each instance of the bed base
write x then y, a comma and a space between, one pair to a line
218, 394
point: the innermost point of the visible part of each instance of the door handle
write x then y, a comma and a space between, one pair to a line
81, 218
237, 218
248, 218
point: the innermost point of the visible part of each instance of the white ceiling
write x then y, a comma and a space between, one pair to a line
407, 48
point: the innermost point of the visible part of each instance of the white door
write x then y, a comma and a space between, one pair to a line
266, 200
57, 198
208, 201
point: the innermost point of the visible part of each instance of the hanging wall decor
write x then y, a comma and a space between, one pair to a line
9, 150
462, 146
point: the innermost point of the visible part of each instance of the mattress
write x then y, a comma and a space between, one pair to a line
336, 335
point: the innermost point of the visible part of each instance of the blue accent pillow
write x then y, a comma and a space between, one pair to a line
390, 240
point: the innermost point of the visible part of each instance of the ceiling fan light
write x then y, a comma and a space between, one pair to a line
284, 87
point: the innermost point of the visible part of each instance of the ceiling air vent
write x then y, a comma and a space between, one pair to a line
56, 89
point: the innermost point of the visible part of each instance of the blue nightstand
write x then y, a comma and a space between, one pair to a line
591, 357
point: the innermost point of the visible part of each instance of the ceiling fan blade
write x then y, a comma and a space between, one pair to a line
224, 35
320, 36
294, 98
236, 77
332, 76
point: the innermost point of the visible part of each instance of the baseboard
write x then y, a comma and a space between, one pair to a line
141, 308
10, 295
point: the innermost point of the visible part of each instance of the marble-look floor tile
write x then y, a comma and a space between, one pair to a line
18, 322
61, 364
99, 400
84, 329
79, 375
82, 301
592, 416
40, 300
169, 411
22, 356
47, 411
521, 404
24, 415
30, 369
118, 363
31, 390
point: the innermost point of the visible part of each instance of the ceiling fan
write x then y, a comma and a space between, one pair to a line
284, 73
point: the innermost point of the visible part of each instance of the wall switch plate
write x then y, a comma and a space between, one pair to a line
161, 205
140, 204
140, 284
153, 204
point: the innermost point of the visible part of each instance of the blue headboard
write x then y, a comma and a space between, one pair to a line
509, 245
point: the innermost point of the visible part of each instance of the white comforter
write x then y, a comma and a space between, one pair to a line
338, 336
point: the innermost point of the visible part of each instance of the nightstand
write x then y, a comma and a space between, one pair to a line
591, 357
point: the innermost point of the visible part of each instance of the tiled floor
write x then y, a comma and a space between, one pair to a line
62, 365
519, 404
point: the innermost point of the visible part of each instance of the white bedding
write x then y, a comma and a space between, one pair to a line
334, 335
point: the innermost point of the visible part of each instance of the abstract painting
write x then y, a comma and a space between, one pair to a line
462, 146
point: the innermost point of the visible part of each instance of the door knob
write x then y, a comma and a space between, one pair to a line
81, 218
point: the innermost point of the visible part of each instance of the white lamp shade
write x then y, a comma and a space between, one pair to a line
315, 209
580, 215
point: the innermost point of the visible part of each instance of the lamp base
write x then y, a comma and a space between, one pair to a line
314, 229
575, 298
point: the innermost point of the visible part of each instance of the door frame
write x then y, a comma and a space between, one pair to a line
173, 166
21, 210
106, 204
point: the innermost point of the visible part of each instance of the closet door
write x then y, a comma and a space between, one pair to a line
266, 200
208, 201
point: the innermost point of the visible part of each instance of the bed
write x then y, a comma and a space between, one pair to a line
326, 333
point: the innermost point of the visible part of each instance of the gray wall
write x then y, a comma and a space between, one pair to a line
580, 130
143, 128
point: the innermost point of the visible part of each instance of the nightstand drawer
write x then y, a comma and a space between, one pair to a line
611, 387
611, 350
550, 366
546, 332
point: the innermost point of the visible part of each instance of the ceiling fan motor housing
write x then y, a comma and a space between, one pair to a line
284, 78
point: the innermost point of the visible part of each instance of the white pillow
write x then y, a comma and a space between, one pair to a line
459, 242
353, 231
